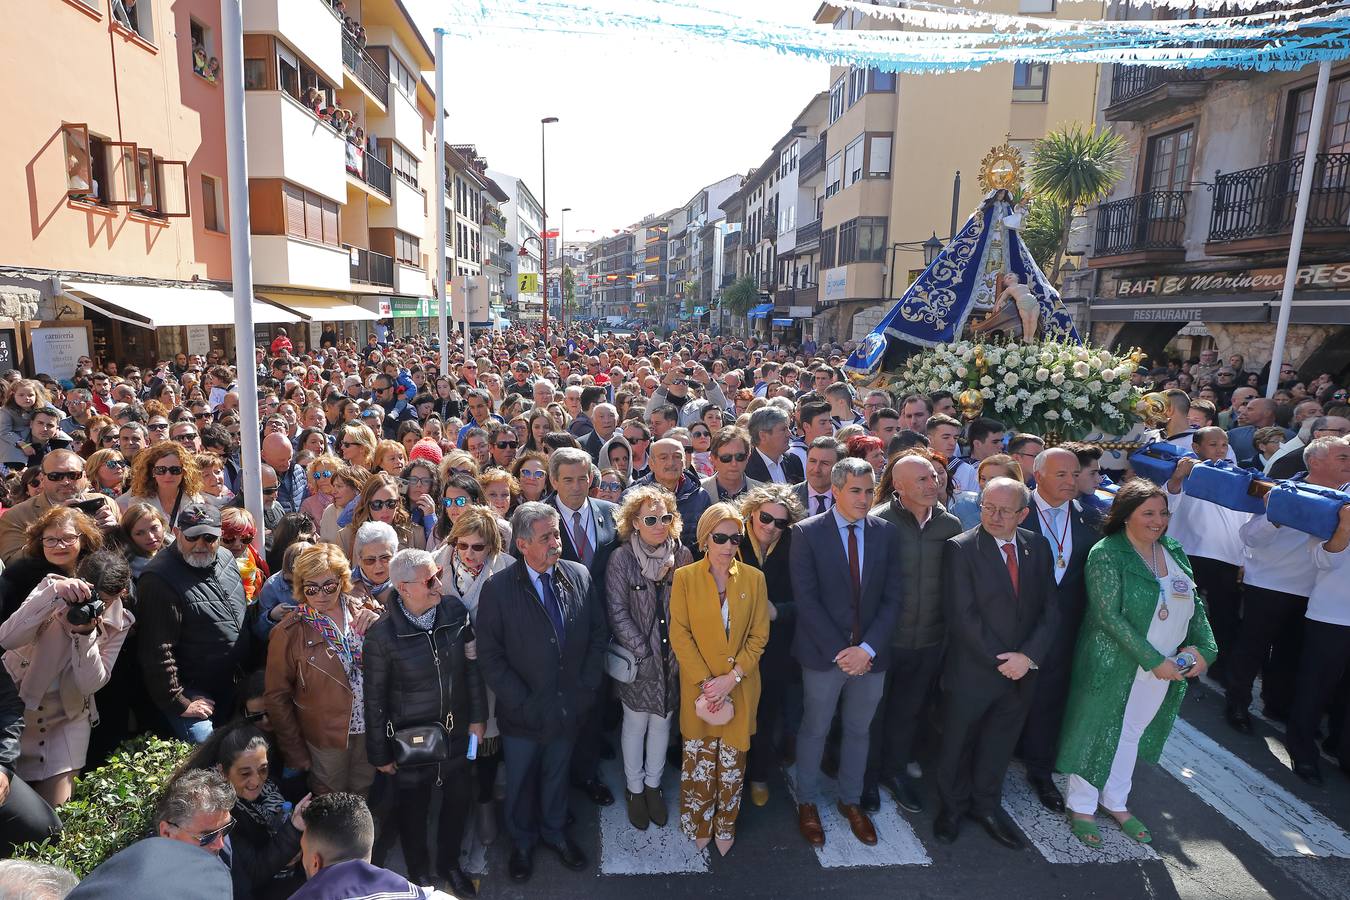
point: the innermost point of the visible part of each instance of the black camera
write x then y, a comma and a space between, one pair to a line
85, 612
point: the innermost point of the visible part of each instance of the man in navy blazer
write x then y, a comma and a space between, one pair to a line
1071, 530
845, 565
589, 535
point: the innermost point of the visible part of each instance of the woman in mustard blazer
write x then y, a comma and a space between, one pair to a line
719, 624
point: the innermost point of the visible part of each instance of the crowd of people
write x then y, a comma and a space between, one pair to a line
693, 554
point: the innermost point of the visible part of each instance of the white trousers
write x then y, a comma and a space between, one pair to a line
1146, 697
644, 738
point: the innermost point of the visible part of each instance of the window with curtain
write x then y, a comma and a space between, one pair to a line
878, 156
853, 161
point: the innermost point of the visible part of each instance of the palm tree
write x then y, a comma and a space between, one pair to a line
1073, 168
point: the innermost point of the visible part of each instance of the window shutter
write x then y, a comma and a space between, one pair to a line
121, 169
171, 187
294, 200
330, 223
314, 217
79, 165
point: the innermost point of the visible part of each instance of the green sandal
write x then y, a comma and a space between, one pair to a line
1137, 830
1086, 832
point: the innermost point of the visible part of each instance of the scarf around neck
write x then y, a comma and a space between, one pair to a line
346, 646
655, 562
425, 621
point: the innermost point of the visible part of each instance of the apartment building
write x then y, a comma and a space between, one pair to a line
524, 217
476, 263
893, 144
695, 262
1189, 251
610, 261
652, 268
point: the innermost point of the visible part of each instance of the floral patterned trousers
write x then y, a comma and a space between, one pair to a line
710, 788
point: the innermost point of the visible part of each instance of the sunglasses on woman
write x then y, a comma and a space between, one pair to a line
610, 486
324, 473
766, 519
328, 587
650, 521
167, 470
116, 463
455, 501
239, 539
721, 538
377, 505
465, 546
532, 473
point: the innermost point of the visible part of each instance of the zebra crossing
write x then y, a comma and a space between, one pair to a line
1279, 823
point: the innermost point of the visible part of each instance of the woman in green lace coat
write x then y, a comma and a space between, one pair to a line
1125, 691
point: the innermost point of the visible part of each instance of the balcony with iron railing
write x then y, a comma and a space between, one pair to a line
808, 233
369, 267
373, 171
363, 66
812, 162
493, 218
1144, 228
731, 241
1140, 92
1253, 209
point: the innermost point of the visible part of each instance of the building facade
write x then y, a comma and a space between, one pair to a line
524, 220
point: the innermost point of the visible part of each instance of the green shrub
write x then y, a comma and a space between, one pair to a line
112, 807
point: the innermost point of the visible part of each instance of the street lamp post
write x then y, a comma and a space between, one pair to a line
562, 271
543, 201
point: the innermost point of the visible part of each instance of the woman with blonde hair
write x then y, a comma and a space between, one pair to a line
719, 626
501, 490
165, 476
637, 584
380, 501
320, 473
390, 457
107, 471
315, 701
347, 482
457, 462
356, 444
212, 469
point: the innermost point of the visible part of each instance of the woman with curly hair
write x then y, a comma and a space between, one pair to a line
457, 462
380, 501
165, 476
107, 472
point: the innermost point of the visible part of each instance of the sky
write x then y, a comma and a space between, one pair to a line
641, 127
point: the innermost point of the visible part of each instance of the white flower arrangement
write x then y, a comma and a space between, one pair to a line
1074, 390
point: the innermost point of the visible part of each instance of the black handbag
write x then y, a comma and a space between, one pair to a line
421, 745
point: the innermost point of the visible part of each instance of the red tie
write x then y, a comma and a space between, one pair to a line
1010, 555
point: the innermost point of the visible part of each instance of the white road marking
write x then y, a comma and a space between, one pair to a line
1049, 831
897, 844
1269, 814
657, 851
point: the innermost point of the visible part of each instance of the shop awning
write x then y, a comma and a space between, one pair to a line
158, 307
784, 323
321, 307
759, 312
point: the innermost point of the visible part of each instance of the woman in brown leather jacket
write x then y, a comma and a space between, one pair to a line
314, 685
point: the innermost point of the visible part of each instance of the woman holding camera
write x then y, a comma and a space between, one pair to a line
56, 542
60, 646
1145, 632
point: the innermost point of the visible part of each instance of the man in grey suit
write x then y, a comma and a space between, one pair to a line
1001, 613
845, 566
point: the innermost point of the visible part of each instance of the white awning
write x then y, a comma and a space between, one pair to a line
321, 307
157, 307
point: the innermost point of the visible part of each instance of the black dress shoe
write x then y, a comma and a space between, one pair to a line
904, 791
461, 885
871, 800
946, 827
597, 792
1309, 773
521, 865
1047, 793
1000, 831
1239, 719
569, 854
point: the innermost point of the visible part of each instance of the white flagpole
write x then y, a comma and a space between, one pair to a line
241, 260
1300, 220
442, 336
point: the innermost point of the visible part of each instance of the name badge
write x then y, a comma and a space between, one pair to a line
1181, 589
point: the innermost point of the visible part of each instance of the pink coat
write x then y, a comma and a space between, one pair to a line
38, 651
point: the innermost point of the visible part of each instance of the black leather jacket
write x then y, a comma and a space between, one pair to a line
11, 720
416, 677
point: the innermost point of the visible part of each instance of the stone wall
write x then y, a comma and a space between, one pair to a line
1256, 341
24, 303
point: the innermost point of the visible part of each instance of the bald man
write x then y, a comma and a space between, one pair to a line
277, 453
1071, 529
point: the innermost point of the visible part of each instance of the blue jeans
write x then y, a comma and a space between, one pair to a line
194, 731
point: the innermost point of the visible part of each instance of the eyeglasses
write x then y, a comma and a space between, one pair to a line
185, 436
63, 476
167, 470
766, 519
270, 490
255, 716
200, 416
158, 426
719, 537
532, 473
375, 560
650, 521
610, 486
377, 505
328, 587
420, 481
729, 457
324, 473
998, 511
348, 444
239, 539
116, 463
507, 445
455, 501
207, 838
700, 434
430, 582
208, 538
57, 542
463, 546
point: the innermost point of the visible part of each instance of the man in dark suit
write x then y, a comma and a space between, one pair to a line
1001, 617
589, 536
769, 439
541, 640
815, 493
1292, 463
1071, 529
845, 566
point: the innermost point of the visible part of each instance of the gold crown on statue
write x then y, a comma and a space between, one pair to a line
1001, 168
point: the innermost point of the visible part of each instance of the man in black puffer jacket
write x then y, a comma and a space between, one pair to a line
541, 641
417, 673
924, 526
